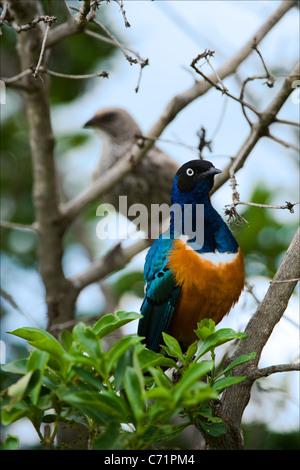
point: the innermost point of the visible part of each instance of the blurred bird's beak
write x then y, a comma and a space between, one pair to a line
91, 122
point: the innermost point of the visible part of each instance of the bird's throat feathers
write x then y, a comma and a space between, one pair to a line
206, 223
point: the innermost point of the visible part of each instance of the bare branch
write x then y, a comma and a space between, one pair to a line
16, 80
266, 371
286, 121
120, 3
16, 226
114, 260
259, 129
222, 88
42, 53
74, 24
73, 207
76, 77
271, 80
32, 24
60, 293
232, 213
14, 304
283, 142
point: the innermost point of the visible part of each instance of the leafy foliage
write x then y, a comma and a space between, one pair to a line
122, 396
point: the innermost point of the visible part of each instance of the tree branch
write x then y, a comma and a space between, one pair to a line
17, 226
74, 24
73, 207
266, 371
258, 129
114, 260
60, 293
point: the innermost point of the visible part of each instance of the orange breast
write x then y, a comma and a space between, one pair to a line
209, 288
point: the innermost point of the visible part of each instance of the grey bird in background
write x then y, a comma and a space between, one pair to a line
150, 182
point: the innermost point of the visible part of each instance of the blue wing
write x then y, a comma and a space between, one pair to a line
161, 296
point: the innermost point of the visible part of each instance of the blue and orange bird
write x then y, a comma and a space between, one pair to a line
187, 281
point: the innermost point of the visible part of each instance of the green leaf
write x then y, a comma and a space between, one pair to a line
216, 339
89, 378
134, 389
172, 347
196, 371
240, 360
118, 349
109, 323
205, 328
37, 361
49, 418
19, 388
18, 366
44, 341
214, 429
66, 340
102, 407
110, 438
125, 360
148, 358
197, 393
192, 349
225, 382
160, 393
10, 443
12, 412
166, 432
88, 339
161, 378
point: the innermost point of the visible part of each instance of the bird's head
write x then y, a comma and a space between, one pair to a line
193, 180
115, 122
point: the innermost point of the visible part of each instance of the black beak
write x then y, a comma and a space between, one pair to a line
211, 172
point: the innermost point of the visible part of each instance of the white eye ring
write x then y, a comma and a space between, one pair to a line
189, 172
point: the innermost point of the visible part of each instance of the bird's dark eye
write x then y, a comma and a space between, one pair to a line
109, 116
190, 172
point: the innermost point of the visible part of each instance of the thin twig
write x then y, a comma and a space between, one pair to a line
32, 24
13, 303
283, 142
121, 5
289, 206
266, 371
113, 41
76, 77
11, 80
74, 206
17, 226
271, 79
223, 89
42, 53
259, 129
262, 77
286, 121
15, 81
